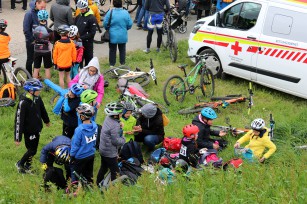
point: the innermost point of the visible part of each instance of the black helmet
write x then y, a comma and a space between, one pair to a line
3, 23
63, 29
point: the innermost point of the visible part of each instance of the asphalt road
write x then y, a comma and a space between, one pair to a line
136, 38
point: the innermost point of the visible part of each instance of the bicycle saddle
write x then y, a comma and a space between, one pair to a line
182, 66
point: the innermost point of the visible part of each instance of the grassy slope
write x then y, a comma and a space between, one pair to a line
282, 180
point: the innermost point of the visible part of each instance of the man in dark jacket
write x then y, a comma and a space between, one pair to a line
87, 24
203, 121
31, 20
150, 126
60, 14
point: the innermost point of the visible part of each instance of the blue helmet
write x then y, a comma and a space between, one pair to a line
77, 89
33, 85
208, 113
42, 15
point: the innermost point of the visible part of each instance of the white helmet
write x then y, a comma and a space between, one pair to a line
114, 108
73, 31
258, 124
82, 4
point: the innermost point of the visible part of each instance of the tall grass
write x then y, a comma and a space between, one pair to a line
282, 179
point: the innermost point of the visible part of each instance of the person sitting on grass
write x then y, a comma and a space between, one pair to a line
258, 139
203, 121
91, 78
128, 121
28, 121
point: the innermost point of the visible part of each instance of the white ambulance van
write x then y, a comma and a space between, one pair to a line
264, 41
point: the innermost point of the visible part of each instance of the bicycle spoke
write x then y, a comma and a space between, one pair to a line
174, 90
207, 83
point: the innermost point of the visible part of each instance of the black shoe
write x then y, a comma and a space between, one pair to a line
20, 168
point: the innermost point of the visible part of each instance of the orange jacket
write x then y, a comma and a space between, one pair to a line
93, 6
4, 45
64, 53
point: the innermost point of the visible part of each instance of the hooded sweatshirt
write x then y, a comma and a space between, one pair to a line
84, 141
29, 22
64, 53
60, 13
95, 82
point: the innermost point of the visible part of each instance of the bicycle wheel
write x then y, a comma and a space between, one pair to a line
104, 6
174, 90
115, 72
207, 83
54, 99
143, 79
21, 76
173, 49
189, 110
130, 5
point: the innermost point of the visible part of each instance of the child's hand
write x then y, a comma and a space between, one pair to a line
17, 143
48, 124
262, 160
237, 145
98, 105
85, 86
137, 128
129, 132
222, 133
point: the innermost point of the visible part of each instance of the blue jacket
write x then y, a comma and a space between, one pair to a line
50, 148
84, 141
220, 5
30, 20
120, 24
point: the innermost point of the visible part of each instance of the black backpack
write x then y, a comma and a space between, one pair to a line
132, 168
55, 175
131, 149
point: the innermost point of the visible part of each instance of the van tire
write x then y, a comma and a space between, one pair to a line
213, 62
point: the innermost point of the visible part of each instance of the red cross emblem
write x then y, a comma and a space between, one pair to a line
236, 48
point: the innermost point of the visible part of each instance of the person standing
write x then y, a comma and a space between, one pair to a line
156, 14
60, 14
13, 7
29, 22
87, 25
203, 5
120, 24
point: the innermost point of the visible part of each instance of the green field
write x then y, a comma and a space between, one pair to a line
282, 179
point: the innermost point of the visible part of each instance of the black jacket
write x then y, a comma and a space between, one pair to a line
68, 111
189, 151
152, 126
203, 140
29, 116
87, 25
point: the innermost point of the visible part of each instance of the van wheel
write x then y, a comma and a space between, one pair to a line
213, 62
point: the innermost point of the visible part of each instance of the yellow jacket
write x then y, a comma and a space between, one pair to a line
93, 6
258, 144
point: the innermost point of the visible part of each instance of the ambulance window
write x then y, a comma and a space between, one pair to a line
242, 16
282, 24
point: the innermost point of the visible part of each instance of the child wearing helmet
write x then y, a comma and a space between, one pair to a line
68, 111
189, 150
128, 121
259, 140
91, 78
89, 96
30, 113
74, 36
94, 7
58, 151
203, 121
64, 54
111, 139
4, 43
43, 36
82, 151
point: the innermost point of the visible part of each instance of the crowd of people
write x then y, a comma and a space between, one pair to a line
72, 56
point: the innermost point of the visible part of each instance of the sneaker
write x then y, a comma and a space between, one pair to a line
158, 50
20, 168
139, 27
135, 21
147, 50
13, 9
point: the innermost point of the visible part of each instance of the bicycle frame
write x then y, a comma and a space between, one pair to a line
8, 69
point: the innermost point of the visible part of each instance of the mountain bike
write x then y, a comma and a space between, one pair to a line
6, 102
16, 76
176, 87
170, 42
138, 76
234, 131
104, 6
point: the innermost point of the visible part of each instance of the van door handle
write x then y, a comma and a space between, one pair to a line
251, 37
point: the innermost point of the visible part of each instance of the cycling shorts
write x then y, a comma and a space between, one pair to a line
155, 20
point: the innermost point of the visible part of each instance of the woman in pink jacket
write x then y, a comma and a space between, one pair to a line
91, 78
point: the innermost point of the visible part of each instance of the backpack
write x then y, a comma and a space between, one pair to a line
210, 157
131, 168
8, 91
235, 162
131, 149
54, 175
172, 144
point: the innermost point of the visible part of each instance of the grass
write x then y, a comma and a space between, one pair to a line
283, 179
